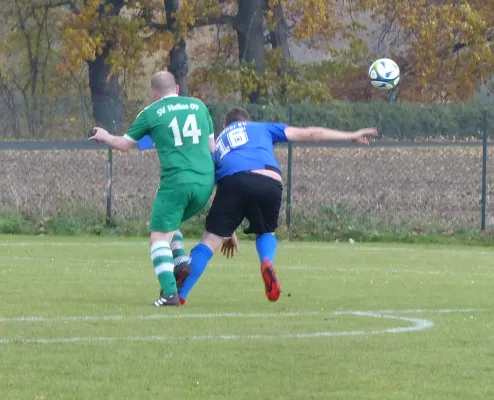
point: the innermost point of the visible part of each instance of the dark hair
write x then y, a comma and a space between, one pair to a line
236, 114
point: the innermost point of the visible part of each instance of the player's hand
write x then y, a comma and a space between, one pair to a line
362, 135
230, 246
99, 135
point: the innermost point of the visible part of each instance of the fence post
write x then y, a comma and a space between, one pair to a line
484, 169
289, 175
83, 108
108, 220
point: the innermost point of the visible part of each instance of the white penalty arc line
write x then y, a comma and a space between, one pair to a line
81, 318
418, 324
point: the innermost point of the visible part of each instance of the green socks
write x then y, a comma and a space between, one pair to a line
177, 245
162, 258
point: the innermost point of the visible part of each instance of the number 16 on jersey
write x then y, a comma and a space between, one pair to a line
234, 138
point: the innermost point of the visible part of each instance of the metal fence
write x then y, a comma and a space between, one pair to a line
392, 184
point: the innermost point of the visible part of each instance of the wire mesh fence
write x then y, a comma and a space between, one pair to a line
393, 185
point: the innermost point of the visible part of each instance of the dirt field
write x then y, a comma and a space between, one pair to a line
441, 186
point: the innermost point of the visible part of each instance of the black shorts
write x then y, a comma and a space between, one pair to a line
245, 195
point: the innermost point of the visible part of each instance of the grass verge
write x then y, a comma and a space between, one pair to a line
332, 223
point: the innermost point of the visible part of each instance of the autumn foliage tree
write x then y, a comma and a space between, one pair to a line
242, 50
98, 33
115, 36
444, 48
260, 67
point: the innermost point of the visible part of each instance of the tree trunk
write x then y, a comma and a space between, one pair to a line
11, 117
32, 126
279, 37
178, 63
106, 96
250, 36
106, 93
279, 40
178, 66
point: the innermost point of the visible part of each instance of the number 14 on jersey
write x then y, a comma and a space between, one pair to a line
189, 130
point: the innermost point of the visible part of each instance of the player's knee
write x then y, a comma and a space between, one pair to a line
212, 241
258, 235
161, 237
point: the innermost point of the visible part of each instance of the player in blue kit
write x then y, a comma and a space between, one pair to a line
248, 179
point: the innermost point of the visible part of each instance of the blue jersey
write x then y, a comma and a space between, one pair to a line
247, 146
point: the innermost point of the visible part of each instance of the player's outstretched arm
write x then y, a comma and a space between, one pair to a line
319, 134
100, 135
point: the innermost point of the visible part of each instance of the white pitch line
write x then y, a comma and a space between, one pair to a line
418, 324
31, 319
390, 270
363, 247
73, 244
415, 311
316, 246
214, 265
157, 316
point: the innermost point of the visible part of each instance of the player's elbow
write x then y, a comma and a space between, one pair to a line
124, 145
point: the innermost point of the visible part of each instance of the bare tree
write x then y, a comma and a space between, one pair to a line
26, 46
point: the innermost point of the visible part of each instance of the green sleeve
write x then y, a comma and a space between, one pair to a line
139, 128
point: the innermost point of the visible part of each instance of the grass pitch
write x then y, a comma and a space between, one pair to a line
354, 322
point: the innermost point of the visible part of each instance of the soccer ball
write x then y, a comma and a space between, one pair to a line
384, 74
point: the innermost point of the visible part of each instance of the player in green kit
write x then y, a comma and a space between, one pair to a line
182, 131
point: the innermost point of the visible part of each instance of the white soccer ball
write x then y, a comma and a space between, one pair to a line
384, 74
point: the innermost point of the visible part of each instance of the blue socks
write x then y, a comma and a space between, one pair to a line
201, 254
266, 246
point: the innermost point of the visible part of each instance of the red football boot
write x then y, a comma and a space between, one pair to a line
271, 284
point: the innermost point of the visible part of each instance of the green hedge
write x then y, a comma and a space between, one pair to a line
328, 224
395, 121
405, 121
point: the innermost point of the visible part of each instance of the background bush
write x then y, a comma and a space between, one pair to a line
394, 121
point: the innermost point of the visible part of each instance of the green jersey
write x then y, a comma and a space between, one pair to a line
180, 128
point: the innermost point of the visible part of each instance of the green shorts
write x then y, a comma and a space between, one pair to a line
177, 203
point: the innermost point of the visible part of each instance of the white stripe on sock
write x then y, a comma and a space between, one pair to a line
177, 245
157, 245
161, 252
165, 267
